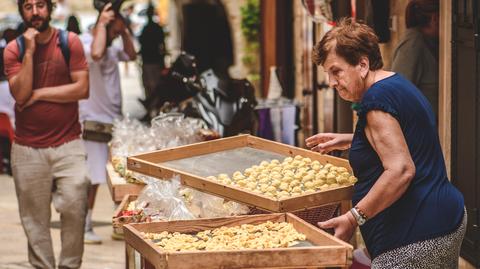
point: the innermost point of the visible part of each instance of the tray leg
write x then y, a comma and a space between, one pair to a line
146, 264
129, 257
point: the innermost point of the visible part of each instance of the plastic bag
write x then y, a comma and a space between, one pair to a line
163, 201
204, 205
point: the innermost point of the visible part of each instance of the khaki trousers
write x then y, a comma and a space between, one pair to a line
52, 174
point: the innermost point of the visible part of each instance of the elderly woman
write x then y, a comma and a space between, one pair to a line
409, 214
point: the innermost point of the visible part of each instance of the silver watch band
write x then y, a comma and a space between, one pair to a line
358, 217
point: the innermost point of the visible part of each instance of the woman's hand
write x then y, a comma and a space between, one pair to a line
326, 142
344, 226
107, 15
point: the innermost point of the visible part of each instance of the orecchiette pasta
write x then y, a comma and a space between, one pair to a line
246, 236
290, 177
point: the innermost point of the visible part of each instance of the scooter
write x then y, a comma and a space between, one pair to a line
172, 92
226, 105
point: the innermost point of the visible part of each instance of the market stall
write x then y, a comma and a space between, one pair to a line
197, 165
275, 178
259, 241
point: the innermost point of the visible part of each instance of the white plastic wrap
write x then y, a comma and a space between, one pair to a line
130, 137
227, 161
168, 200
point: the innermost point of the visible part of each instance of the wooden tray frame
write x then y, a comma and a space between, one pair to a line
327, 251
150, 164
118, 186
117, 220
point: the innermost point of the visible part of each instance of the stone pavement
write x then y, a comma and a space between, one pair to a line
110, 254
13, 249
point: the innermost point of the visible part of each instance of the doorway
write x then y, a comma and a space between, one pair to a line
466, 118
206, 35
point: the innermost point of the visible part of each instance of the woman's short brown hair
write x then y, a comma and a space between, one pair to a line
351, 40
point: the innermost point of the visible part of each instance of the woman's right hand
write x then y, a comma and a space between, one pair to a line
326, 142
107, 15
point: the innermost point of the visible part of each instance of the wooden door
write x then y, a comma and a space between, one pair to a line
466, 118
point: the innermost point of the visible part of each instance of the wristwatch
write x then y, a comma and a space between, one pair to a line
359, 216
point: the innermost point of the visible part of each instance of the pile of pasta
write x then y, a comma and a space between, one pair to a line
120, 166
246, 236
292, 177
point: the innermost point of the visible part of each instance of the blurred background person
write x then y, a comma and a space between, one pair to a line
60, 14
7, 112
6, 99
73, 25
152, 50
105, 101
127, 13
10, 34
416, 55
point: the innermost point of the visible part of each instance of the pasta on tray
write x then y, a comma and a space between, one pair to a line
292, 177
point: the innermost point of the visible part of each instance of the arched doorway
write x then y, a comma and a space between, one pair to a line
206, 34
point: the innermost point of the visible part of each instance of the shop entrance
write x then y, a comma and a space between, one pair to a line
207, 36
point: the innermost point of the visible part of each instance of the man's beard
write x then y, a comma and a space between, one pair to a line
43, 27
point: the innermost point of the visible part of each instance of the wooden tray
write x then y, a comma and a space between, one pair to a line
118, 220
325, 250
118, 186
155, 164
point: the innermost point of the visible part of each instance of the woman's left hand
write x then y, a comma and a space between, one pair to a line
344, 226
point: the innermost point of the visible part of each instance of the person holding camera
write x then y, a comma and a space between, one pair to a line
105, 102
47, 75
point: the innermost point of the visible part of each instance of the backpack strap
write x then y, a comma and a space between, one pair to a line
62, 38
21, 47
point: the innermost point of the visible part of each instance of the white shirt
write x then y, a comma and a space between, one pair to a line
7, 103
105, 101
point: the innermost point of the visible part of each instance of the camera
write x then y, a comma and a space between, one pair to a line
116, 4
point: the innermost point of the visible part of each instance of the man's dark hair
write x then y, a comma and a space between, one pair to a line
150, 11
50, 6
419, 12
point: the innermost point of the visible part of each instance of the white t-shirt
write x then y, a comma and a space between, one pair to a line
7, 103
105, 101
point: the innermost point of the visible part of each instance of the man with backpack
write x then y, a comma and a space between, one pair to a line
48, 74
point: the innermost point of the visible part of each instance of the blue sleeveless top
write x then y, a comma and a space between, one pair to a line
431, 206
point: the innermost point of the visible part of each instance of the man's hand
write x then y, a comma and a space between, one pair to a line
326, 142
29, 37
343, 225
107, 15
